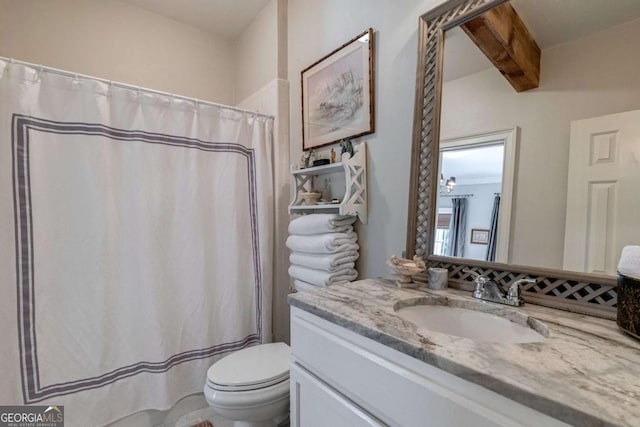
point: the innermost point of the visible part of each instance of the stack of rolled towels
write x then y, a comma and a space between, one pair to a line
324, 250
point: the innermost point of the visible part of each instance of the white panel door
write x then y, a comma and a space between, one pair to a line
314, 404
603, 197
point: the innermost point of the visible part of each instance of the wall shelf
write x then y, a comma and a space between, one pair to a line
354, 201
320, 170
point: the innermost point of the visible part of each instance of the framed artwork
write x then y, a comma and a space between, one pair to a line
480, 236
337, 94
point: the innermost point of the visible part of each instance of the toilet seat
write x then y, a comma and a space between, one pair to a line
252, 368
248, 399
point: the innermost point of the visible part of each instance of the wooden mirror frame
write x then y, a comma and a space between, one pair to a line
578, 292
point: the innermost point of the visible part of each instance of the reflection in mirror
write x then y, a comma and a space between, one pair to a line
469, 204
475, 211
575, 201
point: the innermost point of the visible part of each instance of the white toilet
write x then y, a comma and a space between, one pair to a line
251, 386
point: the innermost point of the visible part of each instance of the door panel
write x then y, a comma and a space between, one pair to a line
602, 196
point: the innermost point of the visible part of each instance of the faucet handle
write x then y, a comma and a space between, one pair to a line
514, 289
479, 281
478, 278
523, 281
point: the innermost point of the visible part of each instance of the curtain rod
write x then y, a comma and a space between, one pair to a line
196, 101
456, 195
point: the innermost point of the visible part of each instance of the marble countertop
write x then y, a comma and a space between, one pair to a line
586, 372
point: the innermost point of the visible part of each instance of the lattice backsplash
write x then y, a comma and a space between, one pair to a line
581, 296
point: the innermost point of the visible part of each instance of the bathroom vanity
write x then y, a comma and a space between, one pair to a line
358, 361
368, 353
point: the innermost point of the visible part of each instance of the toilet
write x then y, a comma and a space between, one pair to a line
251, 386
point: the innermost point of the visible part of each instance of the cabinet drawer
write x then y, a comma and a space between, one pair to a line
395, 388
314, 404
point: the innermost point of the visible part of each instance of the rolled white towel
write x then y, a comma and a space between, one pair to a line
321, 223
329, 243
304, 286
347, 266
629, 264
327, 262
322, 278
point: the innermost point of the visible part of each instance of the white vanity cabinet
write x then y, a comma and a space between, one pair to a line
340, 378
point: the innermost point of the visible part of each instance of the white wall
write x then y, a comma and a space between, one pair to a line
259, 50
589, 77
117, 41
317, 28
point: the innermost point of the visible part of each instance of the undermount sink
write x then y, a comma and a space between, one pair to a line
473, 321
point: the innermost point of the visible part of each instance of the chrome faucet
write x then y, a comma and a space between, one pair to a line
488, 290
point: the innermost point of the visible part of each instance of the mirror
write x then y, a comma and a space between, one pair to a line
546, 177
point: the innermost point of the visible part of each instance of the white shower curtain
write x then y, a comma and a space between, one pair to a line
136, 236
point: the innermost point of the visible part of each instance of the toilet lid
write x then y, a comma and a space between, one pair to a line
251, 368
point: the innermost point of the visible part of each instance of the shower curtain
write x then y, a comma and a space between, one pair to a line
136, 236
458, 228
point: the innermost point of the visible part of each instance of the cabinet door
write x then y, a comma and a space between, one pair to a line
314, 404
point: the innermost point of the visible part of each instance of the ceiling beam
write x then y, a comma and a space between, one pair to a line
505, 40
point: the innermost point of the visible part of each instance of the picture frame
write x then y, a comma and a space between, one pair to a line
480, 236
338, 94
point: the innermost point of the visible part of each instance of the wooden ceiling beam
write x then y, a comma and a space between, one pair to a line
505, 40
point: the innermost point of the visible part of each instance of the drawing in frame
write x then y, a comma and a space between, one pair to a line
337, 94
480, 236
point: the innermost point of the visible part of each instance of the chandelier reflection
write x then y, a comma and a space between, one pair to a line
448, 185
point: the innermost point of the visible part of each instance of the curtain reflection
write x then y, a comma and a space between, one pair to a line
493, 231
455, 245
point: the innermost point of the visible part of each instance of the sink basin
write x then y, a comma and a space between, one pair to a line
510, 327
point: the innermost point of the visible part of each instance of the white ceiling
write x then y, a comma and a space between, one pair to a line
474, 165
550, 22
224, 18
